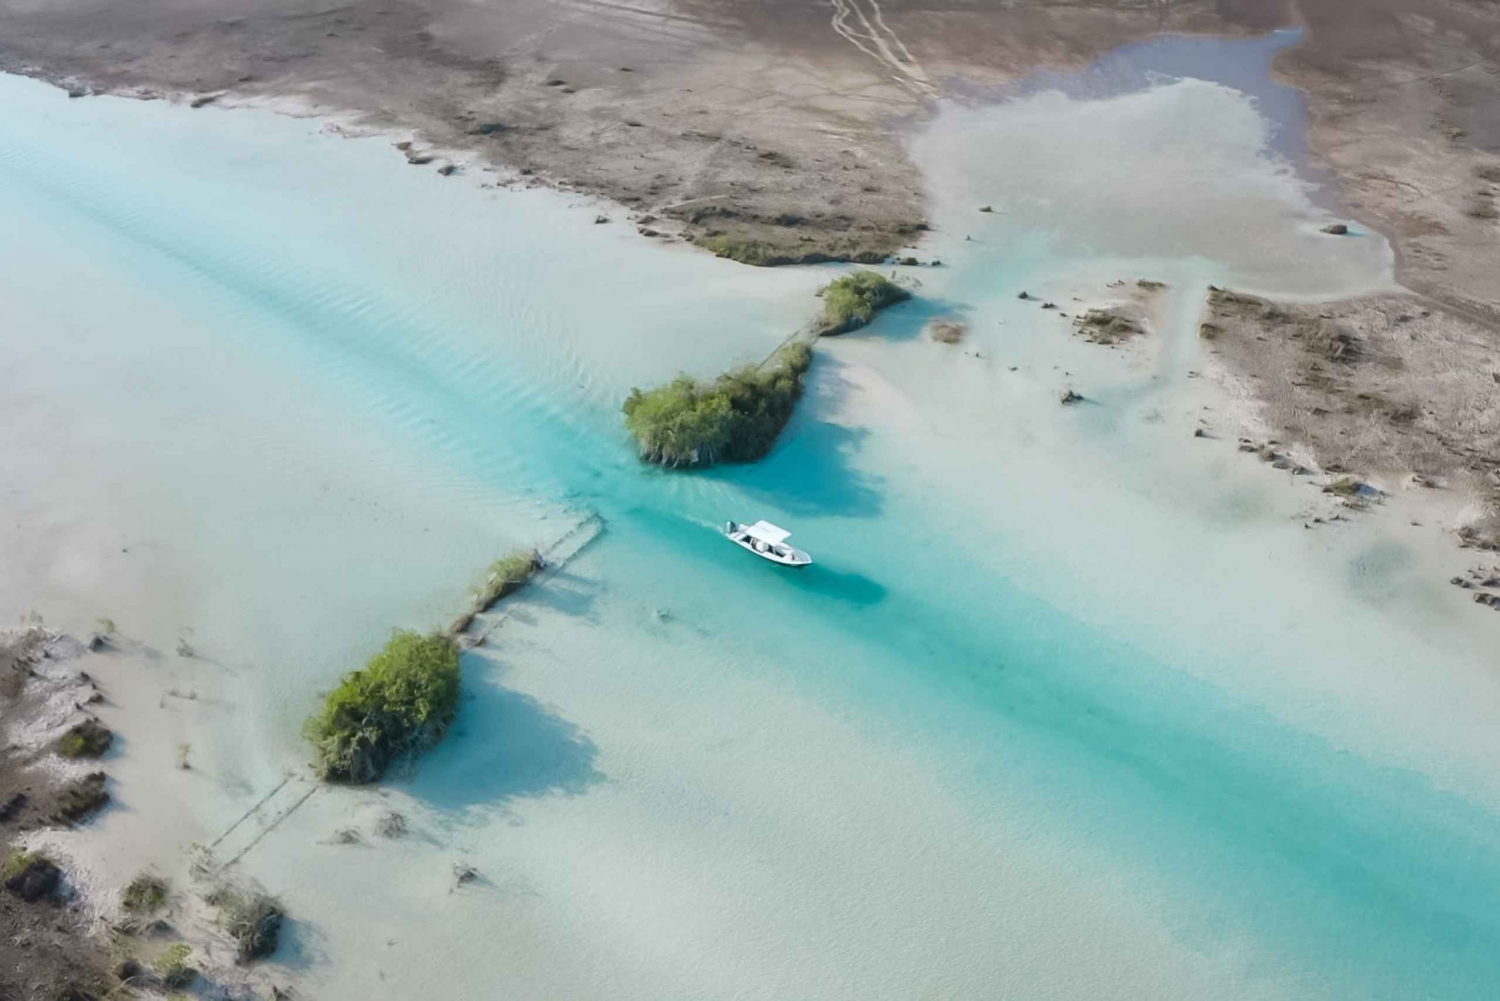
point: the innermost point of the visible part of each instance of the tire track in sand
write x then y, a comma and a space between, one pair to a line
872, 36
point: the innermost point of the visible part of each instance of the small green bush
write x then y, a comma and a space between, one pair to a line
88, 739
506, 576
399, 704
852, 301
735, 418
146, 893
172, 966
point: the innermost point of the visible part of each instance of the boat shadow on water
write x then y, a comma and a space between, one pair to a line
505, 746
841, 585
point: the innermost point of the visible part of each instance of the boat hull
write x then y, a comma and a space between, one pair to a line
782, 555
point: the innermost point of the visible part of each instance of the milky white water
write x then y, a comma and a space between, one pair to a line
1070, 707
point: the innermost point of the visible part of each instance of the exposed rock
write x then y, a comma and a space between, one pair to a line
1109, 326
391, 825
207, 99
1024, 295
986, 208
448, 169
1049, 305
463, 873
1149, 285
1335, 229
1069, 398
600, 220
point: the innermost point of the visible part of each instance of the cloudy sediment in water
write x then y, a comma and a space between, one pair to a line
1061, 711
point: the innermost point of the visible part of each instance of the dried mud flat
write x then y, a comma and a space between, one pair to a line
1392, 388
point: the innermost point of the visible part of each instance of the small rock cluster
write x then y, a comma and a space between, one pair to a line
1484, 582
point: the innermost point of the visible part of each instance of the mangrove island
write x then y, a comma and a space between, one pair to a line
734, 418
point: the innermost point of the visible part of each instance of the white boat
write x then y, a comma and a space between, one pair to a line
768, 542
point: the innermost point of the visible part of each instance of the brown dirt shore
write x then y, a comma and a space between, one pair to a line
47, 949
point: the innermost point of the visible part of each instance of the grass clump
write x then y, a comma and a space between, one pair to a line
400, 704
81, 798
253, 921
734, 418
1345, 486
144, 894
17, 863
29, 875
172, 966
744, 251
852, 301
88, 739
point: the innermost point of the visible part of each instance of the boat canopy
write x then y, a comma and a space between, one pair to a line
767, 532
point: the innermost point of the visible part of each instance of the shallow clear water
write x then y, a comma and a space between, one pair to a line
1064, 709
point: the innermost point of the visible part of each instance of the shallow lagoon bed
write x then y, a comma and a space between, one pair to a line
1060, 712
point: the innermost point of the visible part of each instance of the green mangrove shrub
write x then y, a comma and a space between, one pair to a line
506, 576
398, 705
734, 418
852, 301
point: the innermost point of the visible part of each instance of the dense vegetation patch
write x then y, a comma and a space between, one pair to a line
88, 739
734, 418
852, 301
400, 704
